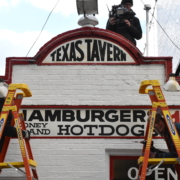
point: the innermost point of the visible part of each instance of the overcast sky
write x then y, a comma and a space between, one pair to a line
22, 20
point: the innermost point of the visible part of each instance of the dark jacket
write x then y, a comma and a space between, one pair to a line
172, 150
8, 129
131, 33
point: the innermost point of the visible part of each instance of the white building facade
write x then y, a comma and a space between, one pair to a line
86, 110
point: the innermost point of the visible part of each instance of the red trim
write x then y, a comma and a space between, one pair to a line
10, 61
86, 107
123, 157
87, 32
85, 137
95, 106
167, 61
157, 58
90, 64
112, 158
111, 169
178, 79
103, 36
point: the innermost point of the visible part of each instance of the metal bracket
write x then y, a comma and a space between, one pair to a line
150, 170
17, 169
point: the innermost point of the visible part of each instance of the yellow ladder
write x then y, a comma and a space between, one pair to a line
158, 101
12, 104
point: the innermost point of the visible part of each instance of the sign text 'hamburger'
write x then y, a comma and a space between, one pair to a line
87, 122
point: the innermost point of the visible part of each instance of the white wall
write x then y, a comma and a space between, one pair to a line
86, 85
74, 159
87, 159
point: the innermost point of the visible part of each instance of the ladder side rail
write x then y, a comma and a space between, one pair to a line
172, 129
28, 146
153, 99
148, 145
169, 123
146, 136
152, 96
168, 119
26, 140
143, 166
18, 102
13, 104
158, 100
22, 146
139, 171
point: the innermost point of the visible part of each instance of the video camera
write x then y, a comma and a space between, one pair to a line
119, 12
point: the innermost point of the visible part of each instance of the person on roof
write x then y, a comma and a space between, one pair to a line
125, 24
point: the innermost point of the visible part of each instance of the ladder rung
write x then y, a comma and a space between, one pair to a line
158, 160
17, 164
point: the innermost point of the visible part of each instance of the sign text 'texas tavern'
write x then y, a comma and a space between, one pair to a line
88, 50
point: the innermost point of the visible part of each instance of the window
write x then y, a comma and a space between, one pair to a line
126, 168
